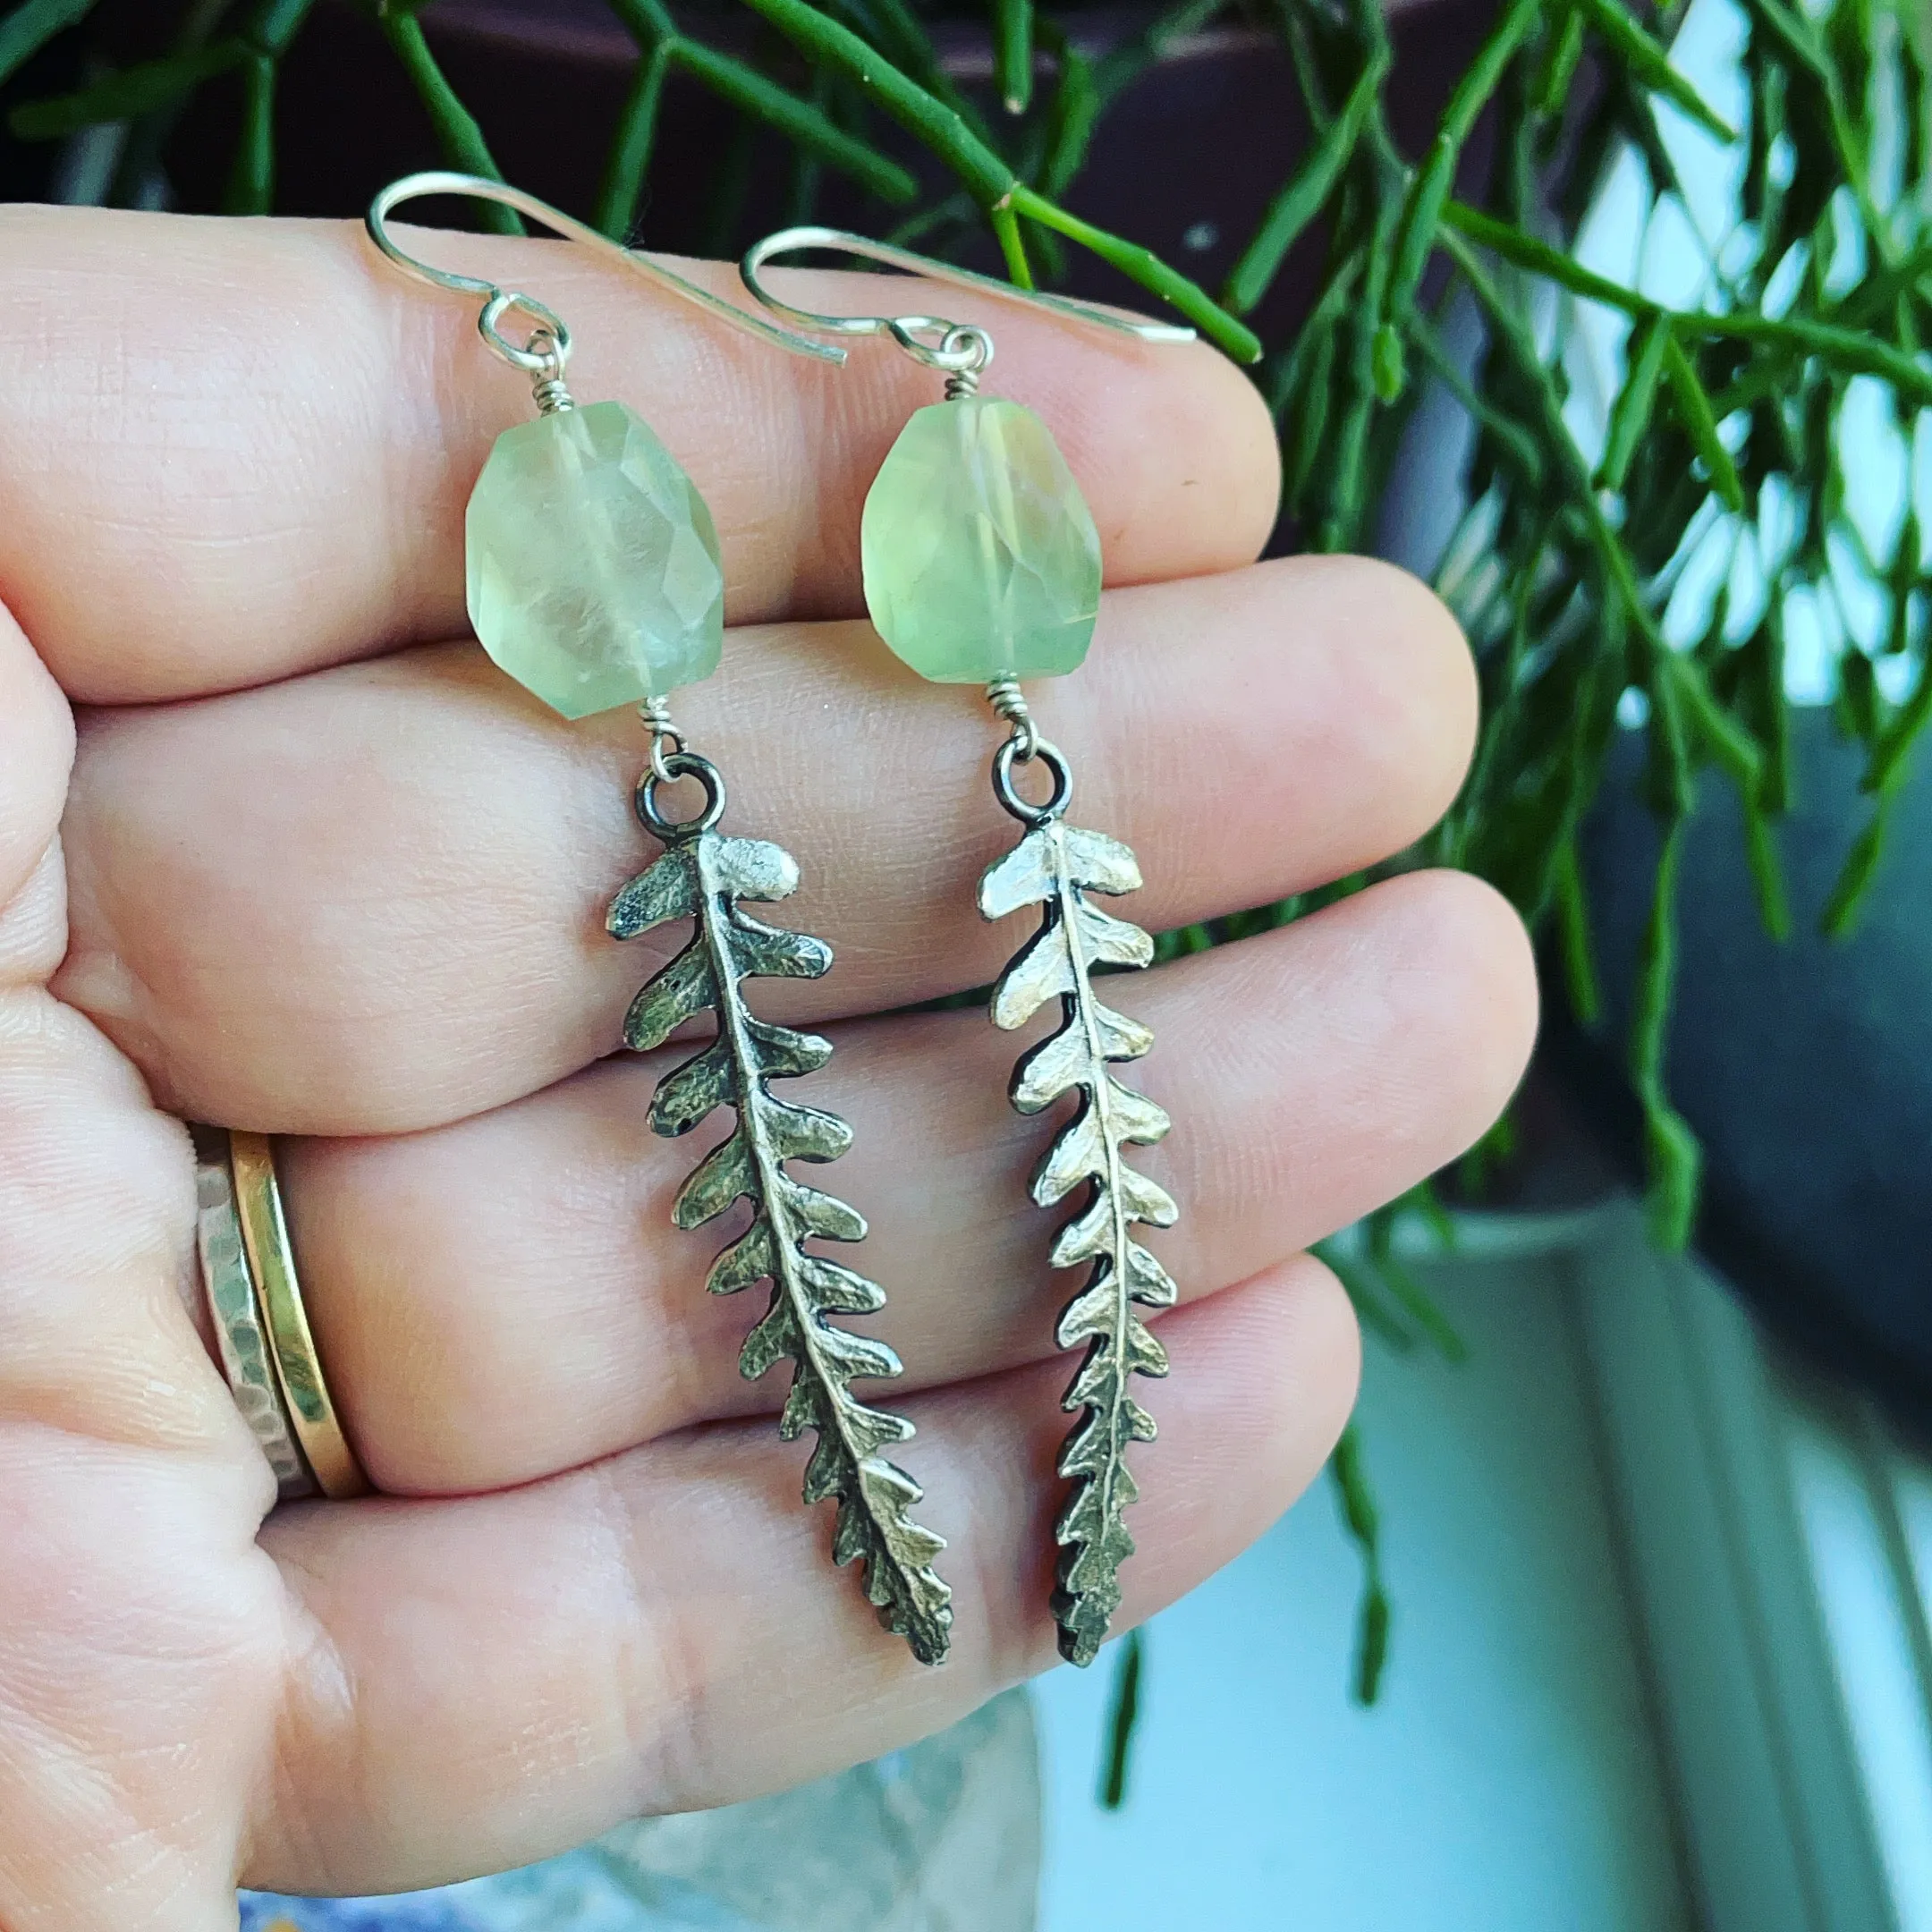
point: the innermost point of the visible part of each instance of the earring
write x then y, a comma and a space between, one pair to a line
595, 580
982, 567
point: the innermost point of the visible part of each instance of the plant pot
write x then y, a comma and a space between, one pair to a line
1805, 1068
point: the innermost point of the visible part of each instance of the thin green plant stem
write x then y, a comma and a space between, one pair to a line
1362, 1521
265, 33
1630, 415
1423, 208
127, 93
1072, 112
1701, 421
455, 126
1414, 1301
1525, 251
1301, 198
1146, 268
250, 189
1574, 938
1123, 1715
988, 177
628, 160
1013, 245
940, 126
1367, 1295
1013, 54
31, 26
1650, 66
1671, 1151
799, 121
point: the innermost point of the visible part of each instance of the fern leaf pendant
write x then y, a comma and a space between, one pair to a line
1055, 866
703, 878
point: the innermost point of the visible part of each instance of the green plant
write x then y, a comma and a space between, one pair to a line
1727, 431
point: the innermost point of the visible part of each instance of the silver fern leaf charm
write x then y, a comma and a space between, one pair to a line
702, 877
1055, 866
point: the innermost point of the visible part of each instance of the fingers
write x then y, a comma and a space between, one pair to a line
138, 1645
373, 899
506, 1297
261, 438
36, 752
37, 746
496, 1678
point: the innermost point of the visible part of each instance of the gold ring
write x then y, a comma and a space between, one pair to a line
235, 1308
298, 1366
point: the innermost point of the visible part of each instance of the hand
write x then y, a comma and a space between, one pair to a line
318, 869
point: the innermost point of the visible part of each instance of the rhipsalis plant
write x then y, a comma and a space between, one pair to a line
1055, 866
702, 877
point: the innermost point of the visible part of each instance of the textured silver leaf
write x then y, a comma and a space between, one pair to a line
1147, 1282
770, 953
1146, 1200
685, 988
1112, 941
1041, 970
821, 1214
1136, 1118
783, 1053
723, 1177
751, 1258
692, 1092
703, 876
1055, 867
774, 1339
663, 890
802, 1132
1069, 1059
1054, 858
748, 869
841, 1289
1083, 1152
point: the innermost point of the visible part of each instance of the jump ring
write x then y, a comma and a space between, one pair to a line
680, 765
1033, 816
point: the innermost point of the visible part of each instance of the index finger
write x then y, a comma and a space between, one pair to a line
242, 449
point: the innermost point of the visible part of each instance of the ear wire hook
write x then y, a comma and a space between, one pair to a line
962, 347
549, 346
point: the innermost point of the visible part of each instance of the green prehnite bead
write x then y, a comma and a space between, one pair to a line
981, 558
593, 562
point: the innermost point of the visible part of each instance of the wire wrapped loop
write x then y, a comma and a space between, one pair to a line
548, 390
548, 348
1004, 695
666, 739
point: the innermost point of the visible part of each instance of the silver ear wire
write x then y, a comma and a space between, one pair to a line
548, 348
959, 348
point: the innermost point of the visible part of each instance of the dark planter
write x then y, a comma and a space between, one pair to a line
1805, 1068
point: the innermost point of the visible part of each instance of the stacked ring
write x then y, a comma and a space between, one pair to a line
261, 1329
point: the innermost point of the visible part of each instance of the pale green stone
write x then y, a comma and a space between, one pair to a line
981, 558
593, 562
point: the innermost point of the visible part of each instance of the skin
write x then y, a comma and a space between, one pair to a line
279, 848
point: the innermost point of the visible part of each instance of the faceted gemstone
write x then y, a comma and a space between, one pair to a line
981, 558
593, 562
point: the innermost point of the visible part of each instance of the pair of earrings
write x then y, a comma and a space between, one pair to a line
595, 579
